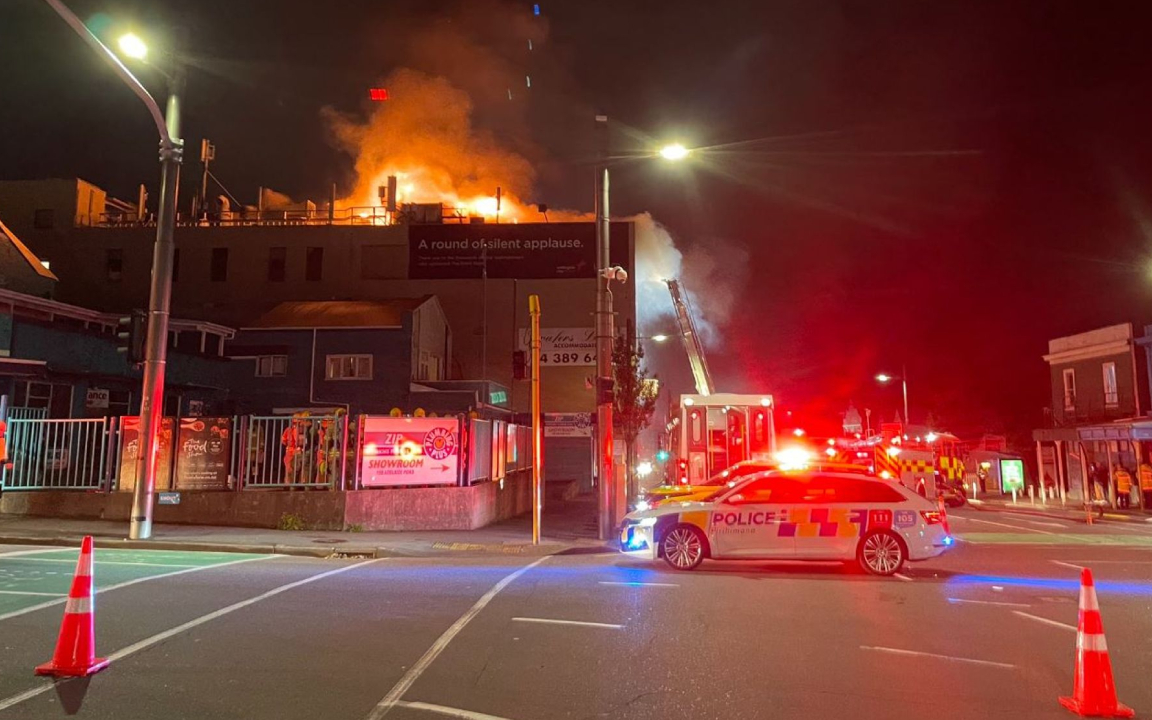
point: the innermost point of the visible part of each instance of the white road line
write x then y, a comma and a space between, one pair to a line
17, 553
1045, 620
987, 602
638, 584
581, 623
127, 583
1014, 527
27, 592
1066, 564
160, 637
902, 576
1048, 524
448, 711
394, 695
1118, 562
950, 658
72, 561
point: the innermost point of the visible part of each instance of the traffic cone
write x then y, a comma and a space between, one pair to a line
75, 654
1094, 694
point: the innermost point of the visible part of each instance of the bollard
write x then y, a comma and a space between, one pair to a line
1013, 496
974, 487
1031, 495
1043, 496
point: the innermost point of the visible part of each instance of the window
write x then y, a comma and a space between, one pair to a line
219, 271
272, 366
277, 263
314, 264
44, 219
769, 490
824, 489
114, 264
348, 367
1069, 389
1111, 395
175, 264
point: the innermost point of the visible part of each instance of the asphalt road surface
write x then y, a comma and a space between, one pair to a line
987, 631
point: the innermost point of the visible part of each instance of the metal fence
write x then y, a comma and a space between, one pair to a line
279, 451
27, 413
57, 455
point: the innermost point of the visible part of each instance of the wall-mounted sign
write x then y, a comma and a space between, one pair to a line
568, 425
97, 399
409, 451
563, 346
203, 453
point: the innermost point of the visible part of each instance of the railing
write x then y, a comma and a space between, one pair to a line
286, 451
27, 413
367, 215
56, 455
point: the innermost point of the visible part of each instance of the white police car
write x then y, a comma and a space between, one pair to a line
794, 516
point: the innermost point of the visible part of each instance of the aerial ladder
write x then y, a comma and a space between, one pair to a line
691, 340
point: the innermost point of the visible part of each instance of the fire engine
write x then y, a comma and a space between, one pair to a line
915, 461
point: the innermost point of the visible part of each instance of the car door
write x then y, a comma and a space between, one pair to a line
828, 517
747, 522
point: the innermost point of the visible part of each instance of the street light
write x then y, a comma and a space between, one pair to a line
608, 501
658, 338
885, 378
160, 294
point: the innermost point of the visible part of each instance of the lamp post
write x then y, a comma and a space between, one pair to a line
607, 495
171, 151
884, 379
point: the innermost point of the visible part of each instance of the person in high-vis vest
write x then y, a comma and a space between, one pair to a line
1123, 486
1146, 483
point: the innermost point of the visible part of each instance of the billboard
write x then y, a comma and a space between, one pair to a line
523, 251
1012, 475
203, 455
409, 451
563, 346
568, 425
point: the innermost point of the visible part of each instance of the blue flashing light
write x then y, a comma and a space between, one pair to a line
1070, 585
536, 9
948, 540
635, 542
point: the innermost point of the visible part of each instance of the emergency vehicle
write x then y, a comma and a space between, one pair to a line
916, 461
800, 515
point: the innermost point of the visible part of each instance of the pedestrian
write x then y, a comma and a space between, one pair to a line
1146, 483
1123, 486
1099, 476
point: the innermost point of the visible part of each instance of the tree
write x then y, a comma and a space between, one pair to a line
635, 398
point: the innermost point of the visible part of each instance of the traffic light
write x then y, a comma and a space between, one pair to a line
130, 334
605, 390
519, 365
662, 456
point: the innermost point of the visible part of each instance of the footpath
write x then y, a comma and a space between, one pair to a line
567, 528
1072, 510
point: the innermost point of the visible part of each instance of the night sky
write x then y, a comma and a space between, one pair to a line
941, 184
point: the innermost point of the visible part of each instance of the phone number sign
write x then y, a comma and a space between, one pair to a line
563, 346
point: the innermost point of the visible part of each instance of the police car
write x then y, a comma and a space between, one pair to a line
802, 515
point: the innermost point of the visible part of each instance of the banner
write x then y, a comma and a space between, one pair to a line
563, 346
204, 458
130, 449
409, 451
526, 251
568, 425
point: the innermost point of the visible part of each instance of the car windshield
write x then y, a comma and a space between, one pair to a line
738, 472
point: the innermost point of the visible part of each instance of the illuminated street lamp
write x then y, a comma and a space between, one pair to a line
885, 378
675, 151
659, 338
132, 46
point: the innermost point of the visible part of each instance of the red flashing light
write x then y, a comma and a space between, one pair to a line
932, 517
378, 94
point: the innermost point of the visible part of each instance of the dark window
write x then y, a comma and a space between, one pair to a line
277, 263
44, 219
114, 264
314, 264
849, 490
768, 490
175, 264
219, 264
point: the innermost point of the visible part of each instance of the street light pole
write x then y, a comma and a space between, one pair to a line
605, 332
171, 150
904, 383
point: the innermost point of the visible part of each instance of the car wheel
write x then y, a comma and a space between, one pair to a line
683, 547
881, 553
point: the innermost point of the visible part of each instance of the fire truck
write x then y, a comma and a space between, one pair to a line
916, 461
709, 431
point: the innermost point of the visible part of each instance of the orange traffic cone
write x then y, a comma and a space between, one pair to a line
75, 654
1094, 694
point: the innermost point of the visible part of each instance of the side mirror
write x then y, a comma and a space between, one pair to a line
737, 499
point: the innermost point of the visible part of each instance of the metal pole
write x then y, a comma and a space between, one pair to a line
537, 428
604, 335
904, 383
159, 300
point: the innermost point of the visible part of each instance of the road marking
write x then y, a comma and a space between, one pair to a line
914, 653
28, 592
449, 711
1045, 620
638, 584
581, 623
902, 576
160, 637
1066, 564
1014, 527
394, 695
1119, 562
987, 602
72, 561
1062, 526
60, 601
17, 553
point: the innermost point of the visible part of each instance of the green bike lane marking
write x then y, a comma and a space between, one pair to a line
31, 580
1005, 538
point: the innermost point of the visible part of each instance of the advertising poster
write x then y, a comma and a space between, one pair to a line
568, 425
130, 450
203, 456
563, 346
409, 451
1012, 475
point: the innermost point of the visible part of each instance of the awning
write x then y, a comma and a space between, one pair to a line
13, 367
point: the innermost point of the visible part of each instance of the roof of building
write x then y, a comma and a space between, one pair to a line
29, 256
339, 314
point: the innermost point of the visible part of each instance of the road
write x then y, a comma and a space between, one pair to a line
986, 631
